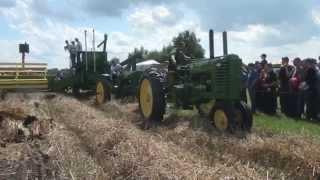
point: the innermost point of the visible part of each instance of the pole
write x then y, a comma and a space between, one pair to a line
23, 59
94, 52
105, 51
86, 48
225, 43
211, 43
105, 43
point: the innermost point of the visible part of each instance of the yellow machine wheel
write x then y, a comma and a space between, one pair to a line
102, 92
151, 95
222, 117
220, 120
146, 98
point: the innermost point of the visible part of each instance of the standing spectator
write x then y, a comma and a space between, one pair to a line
73, 53
259, 91
296, 95
67, 48
79, 50
285, 74
270, 85
263, 60
311, 90
253, 77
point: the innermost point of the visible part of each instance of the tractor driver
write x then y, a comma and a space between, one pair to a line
116, 69
178, 55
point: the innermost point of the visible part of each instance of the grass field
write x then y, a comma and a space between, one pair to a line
278, 124
283, 125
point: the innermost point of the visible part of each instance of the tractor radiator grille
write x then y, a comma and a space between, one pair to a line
227, 79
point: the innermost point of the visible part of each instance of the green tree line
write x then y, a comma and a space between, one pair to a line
187, 41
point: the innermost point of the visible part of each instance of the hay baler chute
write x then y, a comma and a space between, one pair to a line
23, 76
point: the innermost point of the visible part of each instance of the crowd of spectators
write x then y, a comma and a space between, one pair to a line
292, 89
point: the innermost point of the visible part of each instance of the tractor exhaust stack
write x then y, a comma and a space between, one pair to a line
211, 43
225, 43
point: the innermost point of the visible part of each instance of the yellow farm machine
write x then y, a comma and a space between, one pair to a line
23, 75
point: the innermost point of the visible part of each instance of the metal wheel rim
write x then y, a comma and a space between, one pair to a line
220, 120
146, 98
100, 93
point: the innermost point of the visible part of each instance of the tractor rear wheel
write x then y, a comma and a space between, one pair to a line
103, 93
243, 116
222, 117
151, 95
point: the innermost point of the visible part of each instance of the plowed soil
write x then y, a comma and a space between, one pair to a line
52, 136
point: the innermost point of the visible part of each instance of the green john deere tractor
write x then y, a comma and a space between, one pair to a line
196, 82
124, 84
93, 73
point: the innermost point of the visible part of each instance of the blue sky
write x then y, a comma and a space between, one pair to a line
278, 28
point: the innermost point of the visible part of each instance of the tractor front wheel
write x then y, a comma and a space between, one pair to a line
103, 93
222, 117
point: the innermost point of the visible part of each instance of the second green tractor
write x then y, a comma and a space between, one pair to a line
197, 82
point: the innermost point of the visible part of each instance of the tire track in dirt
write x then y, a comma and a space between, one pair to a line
285, 156
272, 155
126, 151
267, 155
110, 139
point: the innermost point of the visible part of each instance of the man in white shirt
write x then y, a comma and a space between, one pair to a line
73, 53
116, 69
67, 47
79, 50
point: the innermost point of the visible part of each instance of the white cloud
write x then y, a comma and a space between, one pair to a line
316, 15
113, 8
45, 38
153, 26
150, 18
256, 34
11, 53
7, 3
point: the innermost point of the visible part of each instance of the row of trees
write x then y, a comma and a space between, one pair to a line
187, 42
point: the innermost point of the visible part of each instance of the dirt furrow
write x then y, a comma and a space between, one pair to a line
108, 142
128, 152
